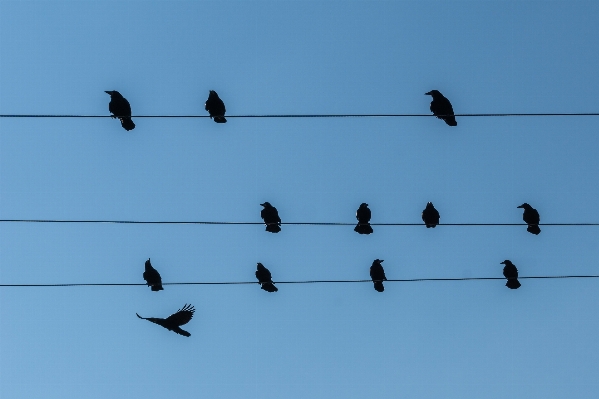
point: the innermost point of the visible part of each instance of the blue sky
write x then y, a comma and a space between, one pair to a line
418, 340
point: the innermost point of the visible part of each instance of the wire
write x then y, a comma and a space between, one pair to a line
300, 116
296, 282
286, 223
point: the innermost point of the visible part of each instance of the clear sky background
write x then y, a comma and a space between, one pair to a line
472, 339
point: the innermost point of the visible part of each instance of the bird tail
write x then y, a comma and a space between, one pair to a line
534, 229
513, 284
269, 287
363, 228
157, 287
378, 285
181, 332
450, 120
220, 119
431, 225
273, 227
127, 123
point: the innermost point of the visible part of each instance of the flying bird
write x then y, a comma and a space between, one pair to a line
363, 215
441, 107
430, 216
271, 218
265, 279
215, 107
174, 321
152, 277
119, 108
511, 273
377, 274
532, 218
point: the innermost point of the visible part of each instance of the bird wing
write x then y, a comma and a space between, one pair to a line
182, 316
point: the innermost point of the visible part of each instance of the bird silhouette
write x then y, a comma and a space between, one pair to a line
265, 279
377, 274
363, 215
271, 218
430, 216
152, 277
119, 108
511, 273
215, 107
532, 218
174, 321
441, 107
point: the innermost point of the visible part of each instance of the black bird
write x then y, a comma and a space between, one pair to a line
377, 274
152, 277
174, 321
511, 273
363, 215
265, 279
215, 107
532, 218
271, 218
119, 108
441, 107
430, 216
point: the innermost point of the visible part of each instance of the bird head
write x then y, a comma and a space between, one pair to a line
379, 261
506, 262
148, 263
266, 204
429, 205
260, 266
363, 205
433, 93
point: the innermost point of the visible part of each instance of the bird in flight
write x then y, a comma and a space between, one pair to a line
430, 216
174, 321
511, 273
215, 107
152, 277
531, 218
271, 218
377, 274
363, 215
265, 279
441, 107
119, 108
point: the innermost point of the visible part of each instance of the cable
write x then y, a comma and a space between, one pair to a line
285, 223
301, 116
296, 282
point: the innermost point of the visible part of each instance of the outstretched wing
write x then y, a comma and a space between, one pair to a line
182, 316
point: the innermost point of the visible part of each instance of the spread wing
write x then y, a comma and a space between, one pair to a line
183, 316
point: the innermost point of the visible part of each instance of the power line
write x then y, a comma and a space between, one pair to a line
296, 282
301, 116
283, 223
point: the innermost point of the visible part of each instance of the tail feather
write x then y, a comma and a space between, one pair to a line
157, 287
378, 285
450, 120
513, 284
220, 119
363, 228
273, 228
533, 229
269, 287
127, 123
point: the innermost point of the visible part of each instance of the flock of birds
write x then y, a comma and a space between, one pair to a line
272, 221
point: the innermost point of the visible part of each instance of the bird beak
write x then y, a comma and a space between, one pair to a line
521, 206
262, 205
427, 94
381, 260
107, 92
502, 263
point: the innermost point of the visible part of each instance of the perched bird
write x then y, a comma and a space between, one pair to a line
532, 218
511, 273
152, 277
430, 216
441, 107
215, 107
265, 279
271, 218
363, 215
377, 274
174, 321
119, 108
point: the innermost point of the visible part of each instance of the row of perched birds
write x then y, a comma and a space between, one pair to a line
430, 217
121, 109
264, 277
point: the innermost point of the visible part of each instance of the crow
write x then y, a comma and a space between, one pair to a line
430, 216
271, 218
215, 107
174, 321
363, 215
511, 273
119, 108
532, 218
377, 274
441, 107
152, 277
265, 279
